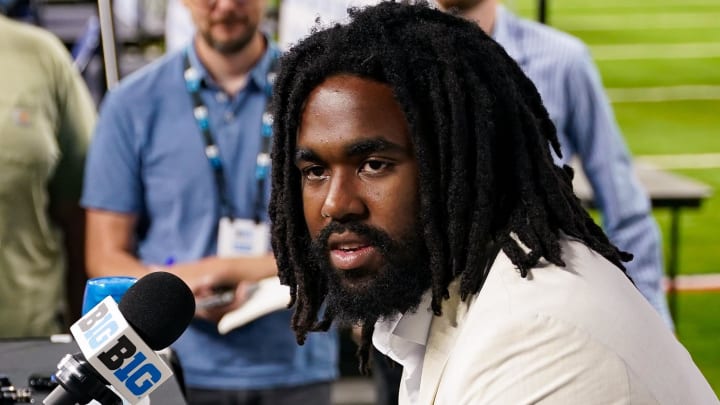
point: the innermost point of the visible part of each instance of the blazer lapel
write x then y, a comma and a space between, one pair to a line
441, 339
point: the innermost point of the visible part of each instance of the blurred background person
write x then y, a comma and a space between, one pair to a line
46, 118
562, 69
175, 169
179, 28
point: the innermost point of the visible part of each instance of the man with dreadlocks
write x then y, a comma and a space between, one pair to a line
414, 193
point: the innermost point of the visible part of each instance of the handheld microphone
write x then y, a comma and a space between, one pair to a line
118, 342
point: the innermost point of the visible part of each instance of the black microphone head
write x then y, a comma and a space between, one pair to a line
159, 307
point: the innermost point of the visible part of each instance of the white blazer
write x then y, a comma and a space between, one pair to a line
579, 334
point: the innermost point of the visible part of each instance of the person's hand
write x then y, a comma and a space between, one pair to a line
207, 274
213, 313
210, 278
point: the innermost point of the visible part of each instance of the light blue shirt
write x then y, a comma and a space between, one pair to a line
569, 84
147, 158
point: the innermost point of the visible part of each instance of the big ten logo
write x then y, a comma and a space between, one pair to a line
128, 364
131, 366
98, 326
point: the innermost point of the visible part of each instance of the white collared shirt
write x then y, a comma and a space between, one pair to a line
403, 338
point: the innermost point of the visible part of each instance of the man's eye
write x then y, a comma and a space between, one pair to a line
314, 173
374, 166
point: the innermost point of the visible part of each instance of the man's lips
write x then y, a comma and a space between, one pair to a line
346, 259
349, 251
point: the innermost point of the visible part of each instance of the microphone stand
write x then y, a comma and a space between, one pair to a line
78, 383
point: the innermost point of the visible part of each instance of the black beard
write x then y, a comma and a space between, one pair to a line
230, 47
362, 296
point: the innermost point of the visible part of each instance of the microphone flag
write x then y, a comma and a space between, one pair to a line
117, 352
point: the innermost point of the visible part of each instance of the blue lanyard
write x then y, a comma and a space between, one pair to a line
201, 114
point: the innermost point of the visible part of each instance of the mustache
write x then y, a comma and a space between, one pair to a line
229, 19
375, 236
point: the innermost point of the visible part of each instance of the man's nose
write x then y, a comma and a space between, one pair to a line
344, 200
225, 4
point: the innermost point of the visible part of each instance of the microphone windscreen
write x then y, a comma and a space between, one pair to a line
159, 307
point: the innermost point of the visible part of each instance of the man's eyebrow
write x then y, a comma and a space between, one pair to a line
360, 148
303, 154
368, 146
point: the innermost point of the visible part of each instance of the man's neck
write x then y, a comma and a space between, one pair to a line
484, 14
230, 71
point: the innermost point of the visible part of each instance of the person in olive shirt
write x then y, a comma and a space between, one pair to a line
46, 118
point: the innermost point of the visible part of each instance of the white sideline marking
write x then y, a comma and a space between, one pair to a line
683, 161
666, 93
614, 4
690, 50
635, 21
695, 282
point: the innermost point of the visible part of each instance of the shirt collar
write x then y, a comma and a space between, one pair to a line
258, 75
392, 335
403, 338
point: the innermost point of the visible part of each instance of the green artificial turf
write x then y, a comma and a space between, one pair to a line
671, 127
699, 330
660, 72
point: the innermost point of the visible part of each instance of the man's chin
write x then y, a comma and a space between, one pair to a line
355, 278
350, 309
229, 45
362, 298
358, 305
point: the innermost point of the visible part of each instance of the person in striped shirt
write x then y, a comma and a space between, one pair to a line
570, 86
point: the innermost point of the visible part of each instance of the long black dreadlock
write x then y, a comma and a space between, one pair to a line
479, 130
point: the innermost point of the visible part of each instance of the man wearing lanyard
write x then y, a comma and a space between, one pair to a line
177, 174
